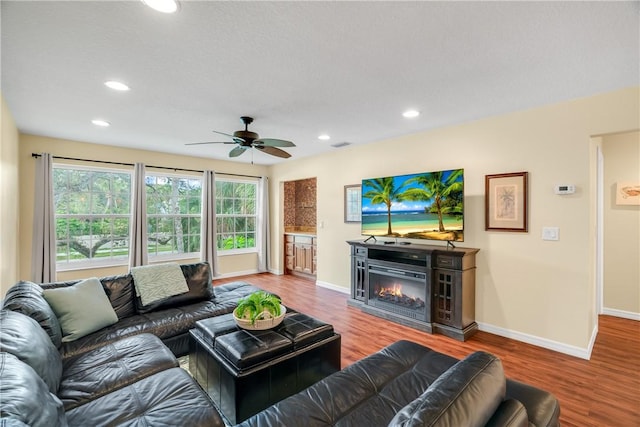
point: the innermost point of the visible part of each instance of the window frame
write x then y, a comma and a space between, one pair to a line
256, 216
174, 256
90, 263
93, 263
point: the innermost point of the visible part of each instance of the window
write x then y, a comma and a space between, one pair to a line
92, 214
173, 215
236, 216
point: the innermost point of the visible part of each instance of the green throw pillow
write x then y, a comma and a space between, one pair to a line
81, 309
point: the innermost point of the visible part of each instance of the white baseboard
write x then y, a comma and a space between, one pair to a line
246, 273
236, 274
583, 353
333, 287
621, 313
319, 283
592, 341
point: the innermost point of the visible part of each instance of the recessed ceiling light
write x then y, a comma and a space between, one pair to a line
99, 122
164, 6
324, 137
112, 84
409, 114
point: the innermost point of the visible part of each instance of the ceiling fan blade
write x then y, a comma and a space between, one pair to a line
210, 142
235, 138
270, 142
237, 151
273, 151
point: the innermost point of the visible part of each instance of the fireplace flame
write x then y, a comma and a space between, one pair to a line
393, 294
395, 290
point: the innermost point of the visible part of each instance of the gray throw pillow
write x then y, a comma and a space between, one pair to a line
81, 309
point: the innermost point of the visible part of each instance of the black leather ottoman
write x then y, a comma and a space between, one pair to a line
245, 372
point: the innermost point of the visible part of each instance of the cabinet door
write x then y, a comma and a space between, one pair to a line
314, 256
308, 260
358, 280
447, 302
298, 261
358, 272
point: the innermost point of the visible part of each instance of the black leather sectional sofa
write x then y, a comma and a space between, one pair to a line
170, 320
409, 385
127, 374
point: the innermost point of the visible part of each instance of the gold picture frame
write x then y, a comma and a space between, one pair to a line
506, 202
352, 203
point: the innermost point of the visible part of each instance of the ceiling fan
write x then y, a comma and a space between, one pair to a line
245, 139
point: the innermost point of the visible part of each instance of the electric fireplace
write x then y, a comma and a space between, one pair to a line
400, 291
429, 288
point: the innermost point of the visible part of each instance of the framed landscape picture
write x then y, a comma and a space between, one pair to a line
506, 202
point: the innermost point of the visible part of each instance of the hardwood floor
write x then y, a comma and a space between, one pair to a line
603, 391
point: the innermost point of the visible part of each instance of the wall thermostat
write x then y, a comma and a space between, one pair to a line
565, 189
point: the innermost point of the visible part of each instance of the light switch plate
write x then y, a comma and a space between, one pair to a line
550, 233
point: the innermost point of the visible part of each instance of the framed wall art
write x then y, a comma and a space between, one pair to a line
506, 202
352, 203
628, 193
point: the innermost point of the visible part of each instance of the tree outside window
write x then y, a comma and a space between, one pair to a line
236, 215
174, 206
92, 214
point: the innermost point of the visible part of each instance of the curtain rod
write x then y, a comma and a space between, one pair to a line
149, 166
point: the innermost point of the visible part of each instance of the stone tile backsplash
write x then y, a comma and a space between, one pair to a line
300, 205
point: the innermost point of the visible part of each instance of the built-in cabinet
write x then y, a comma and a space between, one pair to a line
299, 205
300, 254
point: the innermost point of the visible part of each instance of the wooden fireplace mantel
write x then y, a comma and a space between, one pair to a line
449, 278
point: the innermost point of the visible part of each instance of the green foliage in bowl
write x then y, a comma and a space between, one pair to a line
253, 307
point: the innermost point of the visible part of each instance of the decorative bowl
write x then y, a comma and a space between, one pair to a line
267, 322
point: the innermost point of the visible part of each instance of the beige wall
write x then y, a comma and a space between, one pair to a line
9, 199
533, 290
228, 265
621, 290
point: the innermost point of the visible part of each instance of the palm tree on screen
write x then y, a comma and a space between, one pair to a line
384, 190
435, 186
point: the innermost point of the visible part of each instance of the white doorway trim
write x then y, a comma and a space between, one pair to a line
599, 227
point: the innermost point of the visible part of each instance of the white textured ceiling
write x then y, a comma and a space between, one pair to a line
302, 68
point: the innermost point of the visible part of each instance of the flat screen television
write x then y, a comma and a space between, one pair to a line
427, 205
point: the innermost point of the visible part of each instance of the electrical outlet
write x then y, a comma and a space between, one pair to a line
550, 233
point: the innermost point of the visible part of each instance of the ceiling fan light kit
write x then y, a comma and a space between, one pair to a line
246, 139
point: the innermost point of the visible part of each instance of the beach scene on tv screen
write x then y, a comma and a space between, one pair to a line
426, 205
